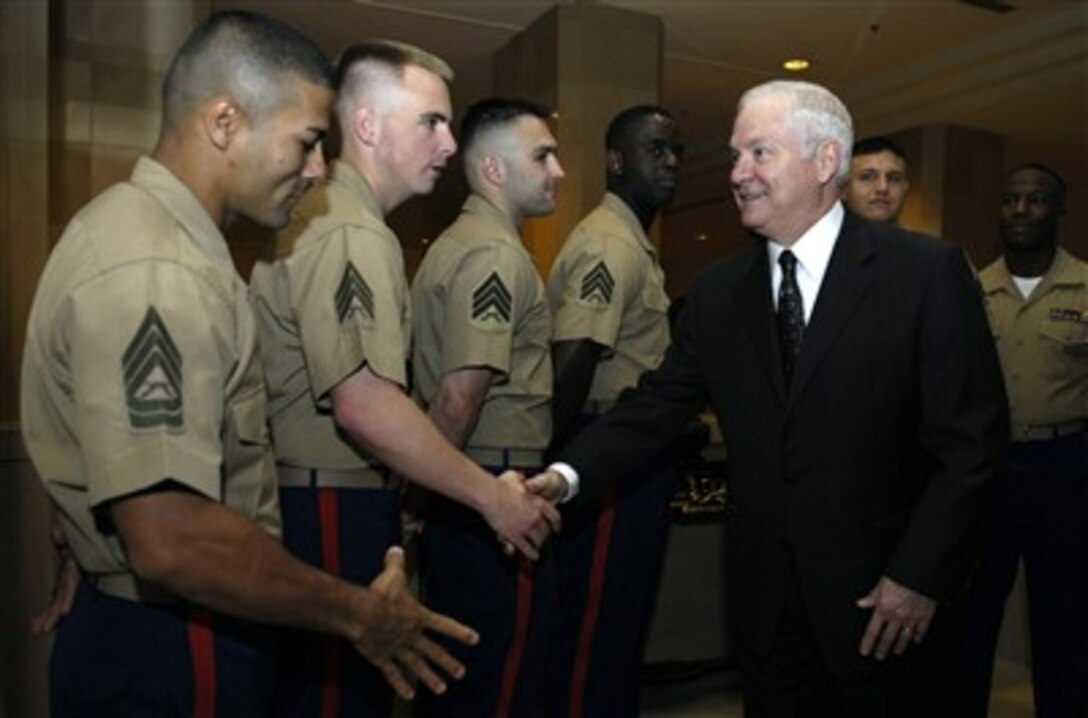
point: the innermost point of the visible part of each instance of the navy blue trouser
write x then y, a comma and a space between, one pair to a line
117, 658
346, 532
506, 599
609, 557
1042, 519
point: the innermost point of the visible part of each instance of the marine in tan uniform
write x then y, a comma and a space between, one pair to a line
143, 407
610, 316
481, 329
334, 316
1037, 298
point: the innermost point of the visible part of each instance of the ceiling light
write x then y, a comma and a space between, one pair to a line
796, 64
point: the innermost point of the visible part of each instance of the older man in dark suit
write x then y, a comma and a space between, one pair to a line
858, 391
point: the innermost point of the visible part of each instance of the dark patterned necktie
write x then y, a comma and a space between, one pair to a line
791, 314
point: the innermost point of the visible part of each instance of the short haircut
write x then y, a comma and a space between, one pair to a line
493, 112
244, 55
623, 124
1059, 183
877, 144
816, 116
366, 64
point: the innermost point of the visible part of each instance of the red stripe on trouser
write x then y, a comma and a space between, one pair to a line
330, 561
522, 610
202, 652
593, 603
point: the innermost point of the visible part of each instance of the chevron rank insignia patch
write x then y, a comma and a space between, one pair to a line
597, 285
353, 296
152, 370
492, 303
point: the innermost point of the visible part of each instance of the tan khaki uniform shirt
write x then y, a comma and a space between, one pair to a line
1042, 341
478, 302
141, 366
607, 286
338, 301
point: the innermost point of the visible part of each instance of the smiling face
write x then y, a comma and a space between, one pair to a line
278, 157
414, 140
1031, 206
877, 186
779, 191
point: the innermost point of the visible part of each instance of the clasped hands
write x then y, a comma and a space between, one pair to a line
523, 513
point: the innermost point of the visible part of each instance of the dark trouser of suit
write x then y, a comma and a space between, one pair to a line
346, 532
466, 575
608, 567
793, 680
117, 658
1042, 519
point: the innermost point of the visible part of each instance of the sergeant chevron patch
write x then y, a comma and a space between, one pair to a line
597, 285
492, 302
353, 296
152, 370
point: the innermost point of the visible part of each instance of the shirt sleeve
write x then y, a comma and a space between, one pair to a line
597, 284
349, 300
484, 299
150, 349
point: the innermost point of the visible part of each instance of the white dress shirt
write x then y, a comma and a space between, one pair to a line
813, 251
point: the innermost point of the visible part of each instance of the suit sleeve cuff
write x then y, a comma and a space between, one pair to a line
570, 476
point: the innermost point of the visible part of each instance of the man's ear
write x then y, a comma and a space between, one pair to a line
614, 162
827, 160
494, 171
364, 125
223, 119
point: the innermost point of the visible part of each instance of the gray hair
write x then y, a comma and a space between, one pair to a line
816, 115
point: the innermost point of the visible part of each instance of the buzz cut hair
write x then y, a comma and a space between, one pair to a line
494, 112
1055, 178
246, 56
364, 65
624, 123
816, 115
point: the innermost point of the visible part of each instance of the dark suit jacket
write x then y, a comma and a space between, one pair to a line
880, 458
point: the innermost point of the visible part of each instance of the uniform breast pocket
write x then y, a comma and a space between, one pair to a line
1070, 337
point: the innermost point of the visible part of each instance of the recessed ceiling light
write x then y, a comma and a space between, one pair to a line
796, 64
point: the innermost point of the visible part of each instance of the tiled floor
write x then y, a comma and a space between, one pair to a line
716, 695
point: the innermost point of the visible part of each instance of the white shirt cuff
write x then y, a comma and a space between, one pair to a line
570, 476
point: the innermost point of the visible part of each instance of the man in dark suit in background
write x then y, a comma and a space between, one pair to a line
861, 404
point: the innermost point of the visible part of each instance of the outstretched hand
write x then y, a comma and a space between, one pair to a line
549, 485
394, 634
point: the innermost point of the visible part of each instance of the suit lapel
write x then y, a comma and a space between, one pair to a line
849, 277
753, 297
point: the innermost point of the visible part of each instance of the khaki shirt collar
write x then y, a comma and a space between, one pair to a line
159, 182
344, 172
480, 206
630, 221
1062, 273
